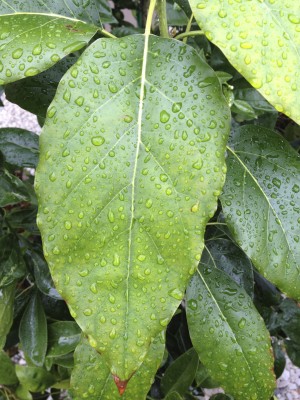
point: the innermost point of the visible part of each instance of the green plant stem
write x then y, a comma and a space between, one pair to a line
162, 15
107, 34
150, 17
186, 34
188, 28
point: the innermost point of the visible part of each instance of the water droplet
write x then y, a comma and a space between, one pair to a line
112, 88
112, 299
164, 322
116, 261
79, 101
176, 293
68, 225
198, 164
176, 107
148, 203
294, 19
97, 140
31, 71
112, 333
242, 323
141, 257
193, 304
87, 312
17, 53
164, 116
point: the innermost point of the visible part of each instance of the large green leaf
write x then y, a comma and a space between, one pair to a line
130, 170
229, 335
95, 381
7, 295
31, 43
261, 203
33, 331
85, 10
261, 39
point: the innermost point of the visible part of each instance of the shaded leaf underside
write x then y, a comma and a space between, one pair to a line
261, 39
126, 185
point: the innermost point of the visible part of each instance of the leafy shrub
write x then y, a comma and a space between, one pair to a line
165, 278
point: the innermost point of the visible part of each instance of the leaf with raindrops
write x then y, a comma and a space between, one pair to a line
95, 380
32, 43
261, 40
131, 166
261, 204
229, 335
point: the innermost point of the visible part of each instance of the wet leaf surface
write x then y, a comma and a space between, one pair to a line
128, 178
32, 43
261, 40
261, 204
229, 335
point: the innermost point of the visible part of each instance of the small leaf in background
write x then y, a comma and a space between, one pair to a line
260, 40
229, 335
22, 393
180, 374
19, 147
260, 202
7, 369
63, 337
23, 217
33, 331
35, 93
280, 360
51, 38
290, 319
42, 275
201, 374
228, 257
153, 170
96, 378
293, 351
7, 294
221, 396
176, 16
34, 379
12, 265
173, 396
12, 189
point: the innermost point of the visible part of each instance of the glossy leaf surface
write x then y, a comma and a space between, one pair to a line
228, 257
63, 338
261, 40
12, 189
180, 374
229, 335
126, 186
12, 266
261, 204
31, 43
95, 381
7, 295
34, 339
85, 10
7, 370
19, 147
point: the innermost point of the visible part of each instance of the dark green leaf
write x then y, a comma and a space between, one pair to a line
173, 396
42, 275
12, 266
33, 331
243, 109
51, 38
35, 93
19, 147
23, 217
280, 361
23, 393
225, 255
261, 200
7, 294
12, 189
260, 39
181, 373
293, 351
35, 379
229, 335
153, 171
201, 374
66, 360
7, 369
91, 375
63, 338
290, 319
221, 396
85, 10
176, 16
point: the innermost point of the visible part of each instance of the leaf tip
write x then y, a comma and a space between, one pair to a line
121, 385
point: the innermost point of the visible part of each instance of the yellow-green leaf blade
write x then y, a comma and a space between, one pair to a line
126, 187
261, 39
96, 381
31, 43
229, 335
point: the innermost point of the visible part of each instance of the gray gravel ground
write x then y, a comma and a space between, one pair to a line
288, 385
